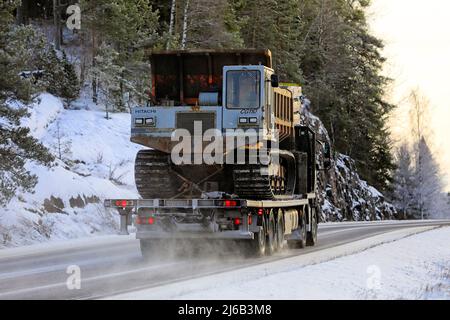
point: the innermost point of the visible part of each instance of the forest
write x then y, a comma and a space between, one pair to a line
99, 50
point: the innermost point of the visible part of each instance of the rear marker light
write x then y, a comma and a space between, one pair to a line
230, 203
250, 220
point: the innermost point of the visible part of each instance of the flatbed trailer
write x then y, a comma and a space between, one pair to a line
263, 225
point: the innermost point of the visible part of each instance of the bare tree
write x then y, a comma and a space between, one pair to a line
62, 146
427, 176
172, 22
185, 24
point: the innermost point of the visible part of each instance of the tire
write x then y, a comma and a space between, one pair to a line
300, 244
257, 246
271, 244
279, 230
311, 239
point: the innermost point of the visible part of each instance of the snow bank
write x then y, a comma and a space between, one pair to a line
415, 267
96, 162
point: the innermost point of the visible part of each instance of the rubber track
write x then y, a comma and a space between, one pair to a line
152, 175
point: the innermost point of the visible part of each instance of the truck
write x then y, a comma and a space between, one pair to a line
227, 155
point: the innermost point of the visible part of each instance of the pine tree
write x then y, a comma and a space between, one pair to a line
70, 87
341, 65
53, 71
275, 25
404, 187
211, 24
108, 73
127, 27
428, 183
16, 145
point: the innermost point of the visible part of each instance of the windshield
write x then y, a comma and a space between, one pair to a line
243, 89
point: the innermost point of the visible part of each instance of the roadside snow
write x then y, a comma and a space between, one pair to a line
416, 267
96, 162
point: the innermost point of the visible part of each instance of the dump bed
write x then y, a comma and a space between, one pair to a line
179, 76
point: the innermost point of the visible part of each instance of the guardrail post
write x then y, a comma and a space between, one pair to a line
124, 224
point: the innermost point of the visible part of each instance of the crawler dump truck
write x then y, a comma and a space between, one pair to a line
226, 105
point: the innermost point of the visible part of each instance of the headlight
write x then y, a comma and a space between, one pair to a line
139, 121
150, 121
253, 120
243, 120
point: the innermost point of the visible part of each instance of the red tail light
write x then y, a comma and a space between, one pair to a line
260, 211
237, 221
151, 220
230, 203
123, 203
250, 220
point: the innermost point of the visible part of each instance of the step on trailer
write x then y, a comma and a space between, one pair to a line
261, 226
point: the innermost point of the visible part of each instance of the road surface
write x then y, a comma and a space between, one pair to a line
113, 265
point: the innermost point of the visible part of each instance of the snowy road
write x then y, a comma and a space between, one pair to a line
112, 265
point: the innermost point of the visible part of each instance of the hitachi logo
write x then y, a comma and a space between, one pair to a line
144, 111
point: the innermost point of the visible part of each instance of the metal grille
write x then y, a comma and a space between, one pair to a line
185, 120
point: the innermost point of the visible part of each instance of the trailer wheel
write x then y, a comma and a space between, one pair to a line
311, 239
271, 242
279, 227
257, 246
300, 244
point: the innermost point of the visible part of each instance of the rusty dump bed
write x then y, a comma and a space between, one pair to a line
179, 76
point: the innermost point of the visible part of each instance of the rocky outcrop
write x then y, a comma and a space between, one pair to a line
343, 195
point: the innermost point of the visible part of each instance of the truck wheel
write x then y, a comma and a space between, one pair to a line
300, 244
311, 239
280, 230
271, 242
257, 246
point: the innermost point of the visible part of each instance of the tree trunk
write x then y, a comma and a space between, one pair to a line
22, 12
94, 80
57, 24
172, 22
185, 22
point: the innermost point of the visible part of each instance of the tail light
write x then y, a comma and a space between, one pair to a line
237, 221
230, 203
144, 220
123, 203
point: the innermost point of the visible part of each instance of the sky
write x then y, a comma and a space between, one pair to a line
416, 34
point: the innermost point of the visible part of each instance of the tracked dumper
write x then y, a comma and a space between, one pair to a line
227, 156
230, 91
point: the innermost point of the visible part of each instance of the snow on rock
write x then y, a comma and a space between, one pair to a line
97, 160
343, 195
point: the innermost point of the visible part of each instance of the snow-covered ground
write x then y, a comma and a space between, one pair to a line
97, 163
415, 267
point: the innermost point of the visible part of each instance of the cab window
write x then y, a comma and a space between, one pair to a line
243, 89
